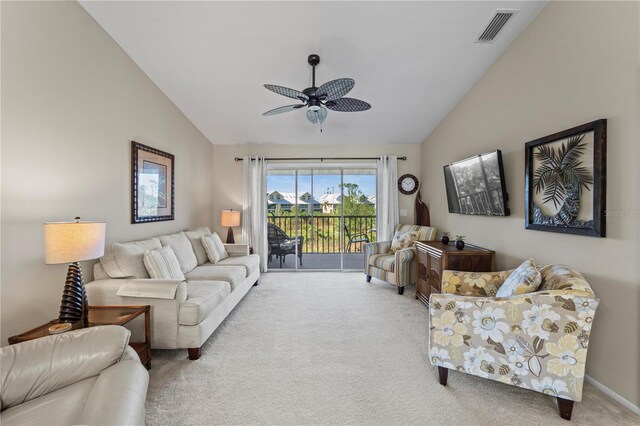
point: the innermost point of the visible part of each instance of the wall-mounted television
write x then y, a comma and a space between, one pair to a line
476, 185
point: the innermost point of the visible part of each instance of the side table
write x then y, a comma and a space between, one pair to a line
102, 315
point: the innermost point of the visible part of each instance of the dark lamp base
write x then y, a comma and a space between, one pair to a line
230, 239
74, 306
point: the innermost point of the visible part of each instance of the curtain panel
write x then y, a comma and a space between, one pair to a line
254, 207
387, 216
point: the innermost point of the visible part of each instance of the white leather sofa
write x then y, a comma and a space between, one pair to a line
184, 313
89, 377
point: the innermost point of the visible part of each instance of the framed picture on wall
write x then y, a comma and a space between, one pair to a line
565, 181
152, 184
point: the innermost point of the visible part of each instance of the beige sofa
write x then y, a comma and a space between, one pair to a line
89, 377
184, 313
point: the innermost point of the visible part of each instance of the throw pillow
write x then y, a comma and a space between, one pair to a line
163, 263
195, 237
214, 247
525, 279
183, 249
123, 260
403, 239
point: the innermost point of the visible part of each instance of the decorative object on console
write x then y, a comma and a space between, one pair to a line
152, 184
229, 219
477, 186
445, 238
407, 184
565, 181
460, 242
318, 99
73, 242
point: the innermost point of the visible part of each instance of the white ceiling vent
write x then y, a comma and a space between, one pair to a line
495, 25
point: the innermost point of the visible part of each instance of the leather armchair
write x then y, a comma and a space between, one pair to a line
535, 341
89, 376
397, 268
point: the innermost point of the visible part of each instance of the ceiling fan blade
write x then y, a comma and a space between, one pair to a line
348, 105
335, 89
282, 109
285, 91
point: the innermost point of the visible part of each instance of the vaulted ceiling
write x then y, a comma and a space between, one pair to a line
412, 61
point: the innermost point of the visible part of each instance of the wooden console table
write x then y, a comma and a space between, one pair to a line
102, 315
434, 257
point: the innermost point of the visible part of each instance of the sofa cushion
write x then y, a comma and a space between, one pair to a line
124, 260
182, 248
163, 263
195, 237
214, 247
525, 279
251, 262
234, 275
202, 298
383, 261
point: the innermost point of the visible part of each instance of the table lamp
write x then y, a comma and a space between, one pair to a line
230, 218
73, 242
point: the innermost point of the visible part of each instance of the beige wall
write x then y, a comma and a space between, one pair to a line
227, 174
72, 101
575, 63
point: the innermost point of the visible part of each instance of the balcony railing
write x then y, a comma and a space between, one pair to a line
324, 233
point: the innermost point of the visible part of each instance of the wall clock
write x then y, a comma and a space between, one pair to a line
408, 184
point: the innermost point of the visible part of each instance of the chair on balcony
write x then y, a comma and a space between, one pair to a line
395, 266
280, 245
361, 237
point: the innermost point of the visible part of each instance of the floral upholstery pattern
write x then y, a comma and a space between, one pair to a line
536, 341
403, 239
396, 268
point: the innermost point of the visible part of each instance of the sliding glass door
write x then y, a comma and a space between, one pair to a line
319, 217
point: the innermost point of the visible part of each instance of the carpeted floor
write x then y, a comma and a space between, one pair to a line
329, 348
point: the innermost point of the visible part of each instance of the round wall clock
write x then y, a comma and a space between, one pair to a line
408, 184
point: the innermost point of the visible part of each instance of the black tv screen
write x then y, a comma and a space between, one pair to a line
476, 185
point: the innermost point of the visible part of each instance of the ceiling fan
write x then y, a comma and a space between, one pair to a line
318, 99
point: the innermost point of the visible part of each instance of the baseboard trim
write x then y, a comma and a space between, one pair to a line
611, 394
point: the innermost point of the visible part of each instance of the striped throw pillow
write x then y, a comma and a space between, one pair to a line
214, 247
163, 263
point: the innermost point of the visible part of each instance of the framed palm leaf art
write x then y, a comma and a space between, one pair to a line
565, 181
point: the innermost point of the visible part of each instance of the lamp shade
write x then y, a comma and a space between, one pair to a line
67, 242
230, 218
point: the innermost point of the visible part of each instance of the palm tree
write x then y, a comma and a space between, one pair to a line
561, 178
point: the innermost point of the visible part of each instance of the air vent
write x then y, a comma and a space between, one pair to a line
497, 23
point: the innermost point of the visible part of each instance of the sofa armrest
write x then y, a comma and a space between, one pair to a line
524, 340
473, 283
237, 249
118, 396
38, 367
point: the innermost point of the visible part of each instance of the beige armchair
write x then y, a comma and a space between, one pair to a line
535, 341
397, 268
90, 376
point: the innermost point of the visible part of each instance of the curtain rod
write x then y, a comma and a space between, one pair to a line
236, 159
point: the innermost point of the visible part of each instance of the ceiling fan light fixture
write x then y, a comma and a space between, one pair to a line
316, 114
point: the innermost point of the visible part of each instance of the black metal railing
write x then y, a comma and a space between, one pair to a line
324, 233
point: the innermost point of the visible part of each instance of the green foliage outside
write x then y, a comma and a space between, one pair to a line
321, 231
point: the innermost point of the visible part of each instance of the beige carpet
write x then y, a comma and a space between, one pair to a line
328, 348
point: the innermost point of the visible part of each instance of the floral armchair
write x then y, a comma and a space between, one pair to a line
536, 341
396, 268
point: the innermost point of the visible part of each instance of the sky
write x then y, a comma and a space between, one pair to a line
321, 183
